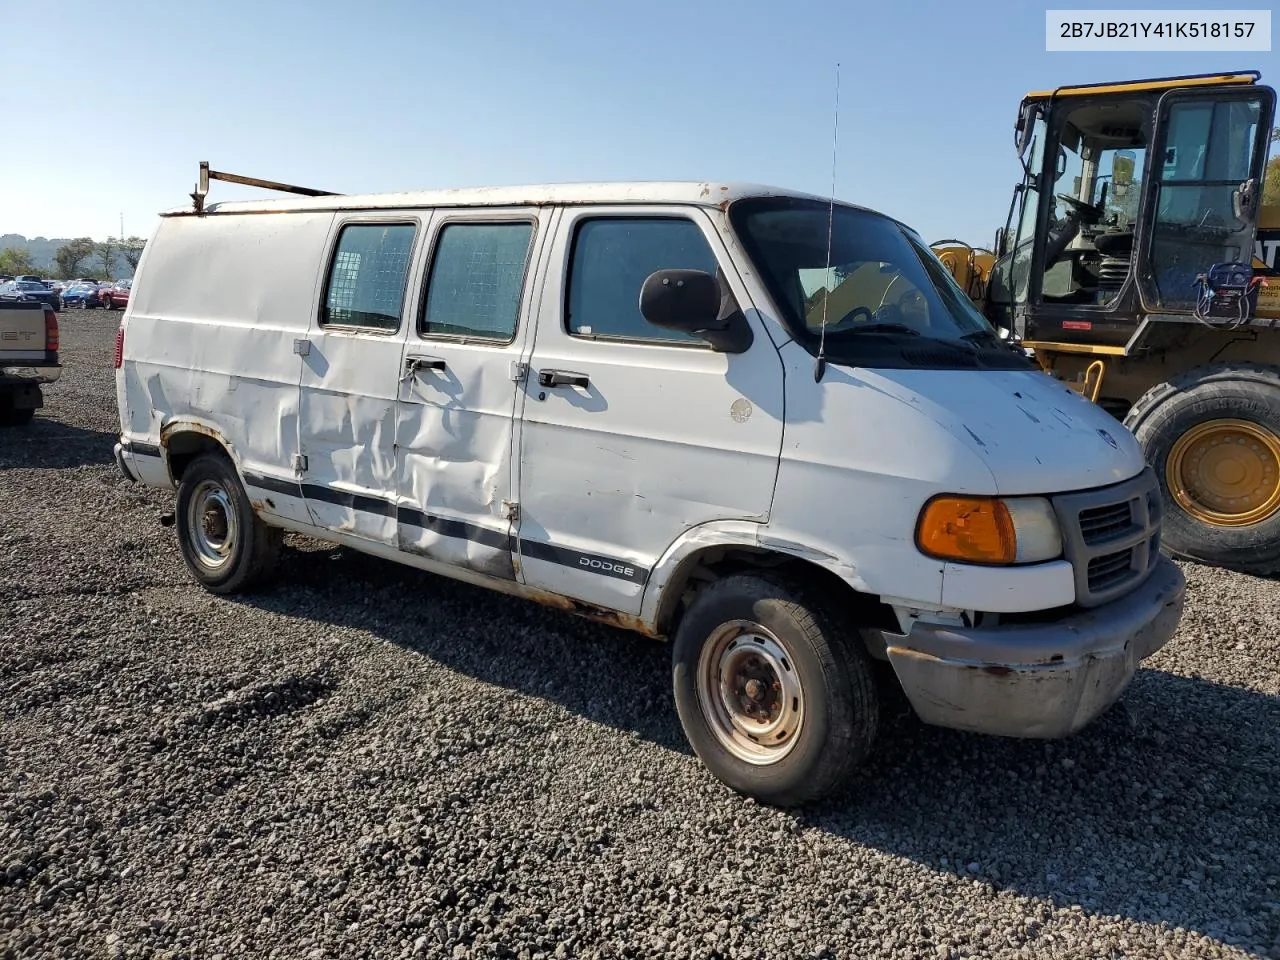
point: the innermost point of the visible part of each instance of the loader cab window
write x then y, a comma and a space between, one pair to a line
1093, 180
1210, 148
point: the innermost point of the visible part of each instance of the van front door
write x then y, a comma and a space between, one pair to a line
632, 435
350, 363
458, 388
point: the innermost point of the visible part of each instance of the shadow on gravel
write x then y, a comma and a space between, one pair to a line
1162, 810
46, 444
606, 675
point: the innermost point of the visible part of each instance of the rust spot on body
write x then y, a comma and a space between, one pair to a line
613, 618
175, 429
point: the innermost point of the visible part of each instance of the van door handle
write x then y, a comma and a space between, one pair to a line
562, 378
414, 364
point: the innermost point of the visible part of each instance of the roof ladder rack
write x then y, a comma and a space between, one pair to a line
202, 185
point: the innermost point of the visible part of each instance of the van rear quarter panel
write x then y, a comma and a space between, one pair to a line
209, 333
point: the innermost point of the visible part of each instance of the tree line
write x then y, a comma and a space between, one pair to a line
76, 257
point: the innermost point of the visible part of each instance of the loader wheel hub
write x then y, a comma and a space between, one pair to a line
1226, 472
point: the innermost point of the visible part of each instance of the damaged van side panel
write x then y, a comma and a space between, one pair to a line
455, 468
351, 371
214, 344
456, 480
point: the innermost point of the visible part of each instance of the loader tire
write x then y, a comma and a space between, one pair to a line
1212, 435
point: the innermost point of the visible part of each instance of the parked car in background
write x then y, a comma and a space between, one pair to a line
31, 290
82, 295
116, 296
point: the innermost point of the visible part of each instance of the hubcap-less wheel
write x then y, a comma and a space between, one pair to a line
750, 693
1226, 472
213, 525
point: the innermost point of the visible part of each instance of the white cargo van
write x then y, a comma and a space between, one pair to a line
765, 426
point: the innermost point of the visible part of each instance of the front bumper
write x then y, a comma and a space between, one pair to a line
1037, 680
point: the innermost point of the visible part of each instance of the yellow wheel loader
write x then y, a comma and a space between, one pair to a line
1138, 264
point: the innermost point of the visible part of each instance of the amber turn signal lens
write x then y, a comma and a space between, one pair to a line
970, 529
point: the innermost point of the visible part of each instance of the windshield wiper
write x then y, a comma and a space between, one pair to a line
989, 335
883, 328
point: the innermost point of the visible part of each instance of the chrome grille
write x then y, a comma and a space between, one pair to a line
1111, 536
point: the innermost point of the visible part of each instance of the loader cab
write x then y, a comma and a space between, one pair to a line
1130, 192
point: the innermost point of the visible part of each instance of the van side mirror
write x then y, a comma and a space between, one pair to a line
693, 301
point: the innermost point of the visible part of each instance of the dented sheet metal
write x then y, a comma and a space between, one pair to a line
348, 436
211, 347
453, 462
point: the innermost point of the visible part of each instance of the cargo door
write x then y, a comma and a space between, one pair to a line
459, 380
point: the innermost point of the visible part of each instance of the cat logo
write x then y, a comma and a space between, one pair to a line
1264, 251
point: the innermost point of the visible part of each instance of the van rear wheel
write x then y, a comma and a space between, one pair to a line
774, 689
224, 543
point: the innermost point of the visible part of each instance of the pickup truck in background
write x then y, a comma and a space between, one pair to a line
28, 358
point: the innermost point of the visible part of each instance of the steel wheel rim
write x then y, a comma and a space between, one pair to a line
750, 692
1226, 472
214, 529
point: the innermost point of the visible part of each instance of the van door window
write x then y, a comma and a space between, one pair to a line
610, 261
366, 283
476, 278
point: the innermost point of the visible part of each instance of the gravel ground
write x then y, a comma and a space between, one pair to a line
369, 761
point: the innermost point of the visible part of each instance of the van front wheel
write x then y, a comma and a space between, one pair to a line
226, 546
774, 689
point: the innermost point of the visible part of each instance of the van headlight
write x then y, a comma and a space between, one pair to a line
991, 530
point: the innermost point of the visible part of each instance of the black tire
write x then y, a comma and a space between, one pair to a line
1227, 391
825, 655
252, 548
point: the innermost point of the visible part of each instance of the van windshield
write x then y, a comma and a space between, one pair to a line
883, 297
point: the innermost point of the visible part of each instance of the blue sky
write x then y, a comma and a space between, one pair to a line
395, 94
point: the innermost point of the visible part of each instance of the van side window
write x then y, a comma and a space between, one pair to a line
610, 261
476, 278
367, 278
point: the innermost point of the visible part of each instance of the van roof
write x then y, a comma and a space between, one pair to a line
701, 193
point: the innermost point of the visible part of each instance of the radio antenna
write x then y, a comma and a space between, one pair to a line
820, 365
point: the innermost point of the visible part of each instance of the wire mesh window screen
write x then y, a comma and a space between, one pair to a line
367, 279
611, 261
477, 275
